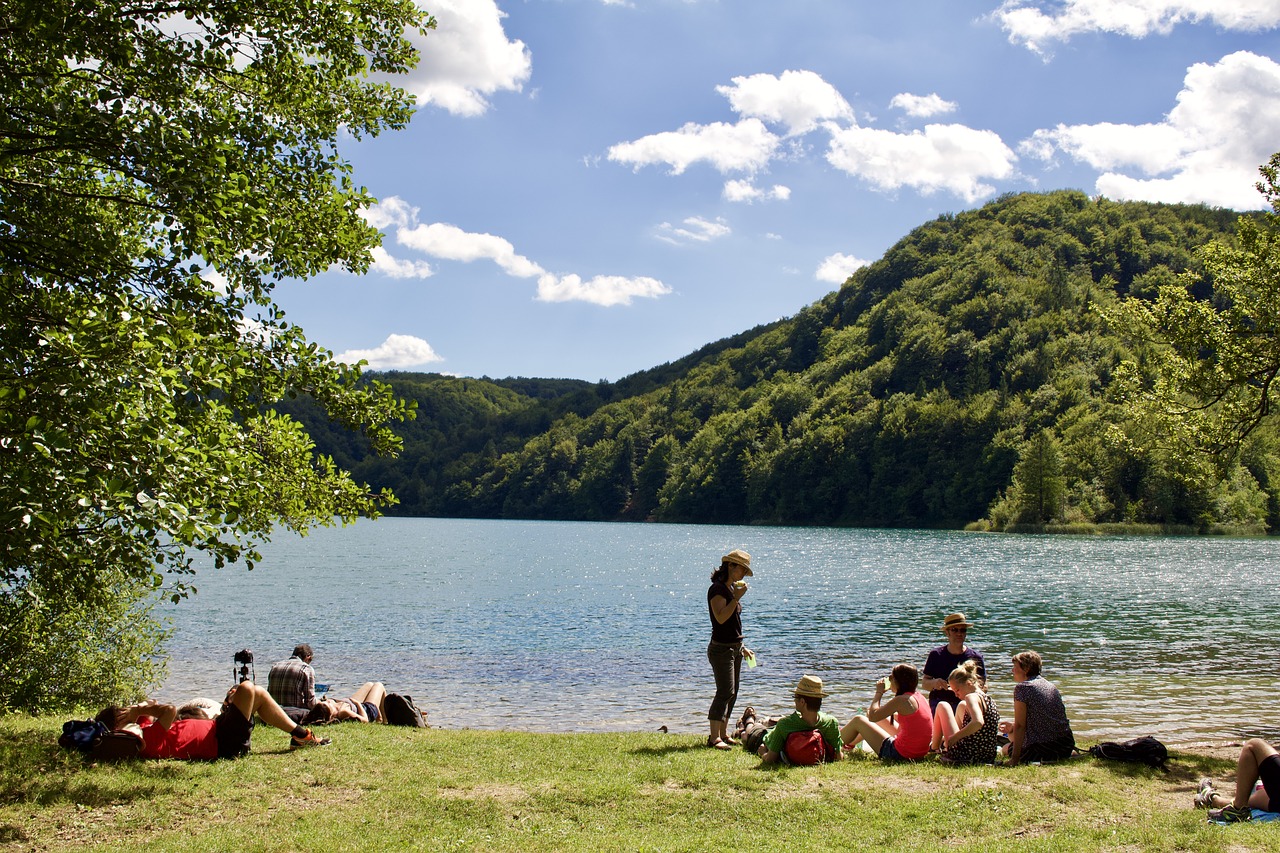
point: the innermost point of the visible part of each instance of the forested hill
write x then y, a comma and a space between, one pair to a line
965, 375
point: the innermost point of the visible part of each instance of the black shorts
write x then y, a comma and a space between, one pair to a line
1052, 750
1269, 773
233, 731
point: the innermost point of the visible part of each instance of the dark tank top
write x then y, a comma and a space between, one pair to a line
730, 630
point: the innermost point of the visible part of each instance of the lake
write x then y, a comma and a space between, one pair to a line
575, 626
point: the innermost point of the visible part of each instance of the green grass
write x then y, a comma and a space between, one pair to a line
379, 787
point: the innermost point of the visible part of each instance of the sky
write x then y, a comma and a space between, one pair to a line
591, 188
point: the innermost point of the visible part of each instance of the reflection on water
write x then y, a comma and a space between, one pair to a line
560, 626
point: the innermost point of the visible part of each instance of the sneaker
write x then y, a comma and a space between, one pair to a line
1231, 814
309, 740
1205, 794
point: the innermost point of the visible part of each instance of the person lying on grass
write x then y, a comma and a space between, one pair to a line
165, 736
366, 705
770, 742
1258, 760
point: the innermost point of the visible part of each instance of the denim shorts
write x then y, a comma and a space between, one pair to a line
889, 752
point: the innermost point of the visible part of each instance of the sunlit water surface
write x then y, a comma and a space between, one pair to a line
565, 626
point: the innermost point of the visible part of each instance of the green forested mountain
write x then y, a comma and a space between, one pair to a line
966, 375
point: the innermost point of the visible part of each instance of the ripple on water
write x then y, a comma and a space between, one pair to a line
600, 627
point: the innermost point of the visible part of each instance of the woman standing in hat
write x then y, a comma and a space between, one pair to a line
943, 660
724, 602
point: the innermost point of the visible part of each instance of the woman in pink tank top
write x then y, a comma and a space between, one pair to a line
899, 729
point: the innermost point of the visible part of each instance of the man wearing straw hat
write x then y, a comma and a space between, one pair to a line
770, 743
945, 658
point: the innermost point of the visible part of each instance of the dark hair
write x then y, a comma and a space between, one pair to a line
302, 651
108, 716
319, 714
906, 677
813, 703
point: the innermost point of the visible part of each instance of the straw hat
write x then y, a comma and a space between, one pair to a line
811, 686
740, 557
955, 620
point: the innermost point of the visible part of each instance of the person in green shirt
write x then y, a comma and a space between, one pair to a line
770, 741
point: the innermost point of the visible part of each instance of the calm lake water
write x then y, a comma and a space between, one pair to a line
566, 626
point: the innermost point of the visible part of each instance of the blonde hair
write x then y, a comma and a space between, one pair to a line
967, 673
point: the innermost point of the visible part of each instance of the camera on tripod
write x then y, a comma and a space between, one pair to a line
242, 666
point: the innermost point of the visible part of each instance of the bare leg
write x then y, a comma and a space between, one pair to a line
250, 699
944, 724
1252, 754
373, 692
862, 727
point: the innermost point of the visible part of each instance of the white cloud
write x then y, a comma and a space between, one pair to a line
801, 100
922, 106
397, 352
391, 267
441, 240
948, 157
743, 147
1027, 24
390, 211
606, 290
451, 243
1207, 149
838, 267
745, 191
695, 229
467, 58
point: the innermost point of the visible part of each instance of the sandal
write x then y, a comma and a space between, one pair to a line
717, 743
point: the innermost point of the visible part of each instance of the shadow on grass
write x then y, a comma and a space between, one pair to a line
1182, 768
35, 770
696, 746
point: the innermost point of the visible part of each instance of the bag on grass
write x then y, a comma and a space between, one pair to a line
806, 748
98, 742
402, 712
81, 734
116, 746
1142, 750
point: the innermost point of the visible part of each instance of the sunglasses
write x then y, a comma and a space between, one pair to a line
958, 630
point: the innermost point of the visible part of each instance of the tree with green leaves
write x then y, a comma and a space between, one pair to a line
1216, 354
162, 166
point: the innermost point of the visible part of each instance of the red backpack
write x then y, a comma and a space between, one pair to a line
806, 748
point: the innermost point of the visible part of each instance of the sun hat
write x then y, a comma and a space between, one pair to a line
811, 686
955, 620
740, 557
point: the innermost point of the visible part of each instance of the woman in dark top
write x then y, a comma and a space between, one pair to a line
724, 603
1040, 730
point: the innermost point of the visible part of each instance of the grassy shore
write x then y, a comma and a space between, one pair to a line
379, 787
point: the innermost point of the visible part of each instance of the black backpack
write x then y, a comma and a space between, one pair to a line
402, 712
1142, 750
98, 742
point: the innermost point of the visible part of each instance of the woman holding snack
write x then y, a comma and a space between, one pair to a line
725, 652
897, 730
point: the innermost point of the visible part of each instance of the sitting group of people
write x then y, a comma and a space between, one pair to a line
292, 683
958, 721
204, 730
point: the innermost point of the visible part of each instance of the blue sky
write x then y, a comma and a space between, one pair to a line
590, 188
